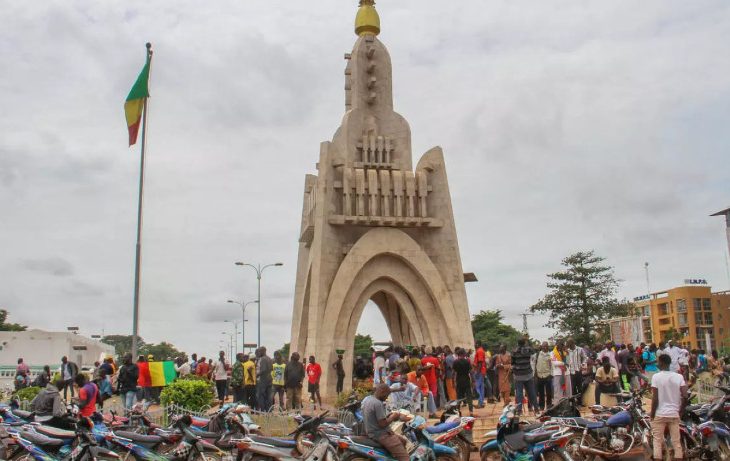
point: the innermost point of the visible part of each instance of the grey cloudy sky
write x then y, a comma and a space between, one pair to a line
565, 125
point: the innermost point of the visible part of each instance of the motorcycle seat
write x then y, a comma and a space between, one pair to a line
140, 438
443, 427
530, 427
596, 424
55, 433
41, 440
516, 441
23, 414
273, 441
582, 422
368, 442
537, 437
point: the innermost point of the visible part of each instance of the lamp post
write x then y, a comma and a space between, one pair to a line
243, 305
230, 343
259, 270
235, 329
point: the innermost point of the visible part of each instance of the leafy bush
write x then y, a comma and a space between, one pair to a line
191, 394
27, 393
344, 397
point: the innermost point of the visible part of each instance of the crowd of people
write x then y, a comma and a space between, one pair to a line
537, 374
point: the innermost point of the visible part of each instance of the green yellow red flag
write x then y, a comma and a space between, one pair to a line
134, 105
156, 374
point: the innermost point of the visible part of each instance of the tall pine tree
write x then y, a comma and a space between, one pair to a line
583, 294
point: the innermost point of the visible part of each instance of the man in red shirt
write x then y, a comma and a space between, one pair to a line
314, 372
480, 370
431, 366
87, 395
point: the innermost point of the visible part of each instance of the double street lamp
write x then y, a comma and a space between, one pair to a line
243, 305
259, 270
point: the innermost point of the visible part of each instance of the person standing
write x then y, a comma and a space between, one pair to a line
293, 378
264, 367
414, 362
430, 366
379, 368
182, 367
127, 381
68, 371
649, 359
202, 369
87, 395
544, 374
237, 378
462, 378
314, 373
503, 364
449, 373
608, 352
340, 371
194, 363
22, 369
277, 378
220, 376
480, 371
561, 375
576, 361
249, 381
523, 376
668, 399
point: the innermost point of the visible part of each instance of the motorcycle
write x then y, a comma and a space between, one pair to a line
83, 448
514, 443
456, 432
420, 447
705, 438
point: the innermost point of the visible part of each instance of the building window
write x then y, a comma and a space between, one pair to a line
681, 305
666, 321
706, 304
698, 318
663, 309
697, 303
682, 320
708, 318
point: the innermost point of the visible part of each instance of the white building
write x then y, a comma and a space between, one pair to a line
38, 348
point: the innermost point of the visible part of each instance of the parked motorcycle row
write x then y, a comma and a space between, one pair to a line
611, 433
229, 434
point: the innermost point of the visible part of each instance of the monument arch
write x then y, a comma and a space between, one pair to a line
374, 228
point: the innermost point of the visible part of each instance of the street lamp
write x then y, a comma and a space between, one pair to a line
230, 343
243, 305
259, 270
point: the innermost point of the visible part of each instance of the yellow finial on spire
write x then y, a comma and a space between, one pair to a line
367, 20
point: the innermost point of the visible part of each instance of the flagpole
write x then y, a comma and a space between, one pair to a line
138, 253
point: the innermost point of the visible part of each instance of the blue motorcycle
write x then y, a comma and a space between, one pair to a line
514, 444
420, 447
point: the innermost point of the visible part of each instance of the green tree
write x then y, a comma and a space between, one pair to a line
162, 351
285, 351
583, 294
9, 326
362, 345
122, 343
488, 328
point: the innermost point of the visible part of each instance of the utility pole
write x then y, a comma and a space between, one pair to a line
525, 330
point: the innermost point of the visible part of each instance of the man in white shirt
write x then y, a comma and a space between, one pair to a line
379, 367
608, 352
668, 399
405, 393
674, 353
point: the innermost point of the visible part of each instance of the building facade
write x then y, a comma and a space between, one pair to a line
38, 348
690, 314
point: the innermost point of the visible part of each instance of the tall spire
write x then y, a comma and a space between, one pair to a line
367, 20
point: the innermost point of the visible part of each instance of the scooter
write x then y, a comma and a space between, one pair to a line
514, 444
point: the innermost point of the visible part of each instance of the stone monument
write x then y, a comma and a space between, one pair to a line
373, 228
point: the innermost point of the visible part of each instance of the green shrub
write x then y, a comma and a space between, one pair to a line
344, 397
27, 393
191, 394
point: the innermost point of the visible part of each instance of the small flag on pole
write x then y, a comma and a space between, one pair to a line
134, 105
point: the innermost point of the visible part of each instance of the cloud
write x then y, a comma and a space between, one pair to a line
565, 126
58, 267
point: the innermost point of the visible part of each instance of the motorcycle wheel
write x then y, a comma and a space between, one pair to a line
572, 447
463, 447
724, 452
491, 455
304, 444
23, 456
552, 456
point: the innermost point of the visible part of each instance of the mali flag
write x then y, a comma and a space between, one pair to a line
134, 104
